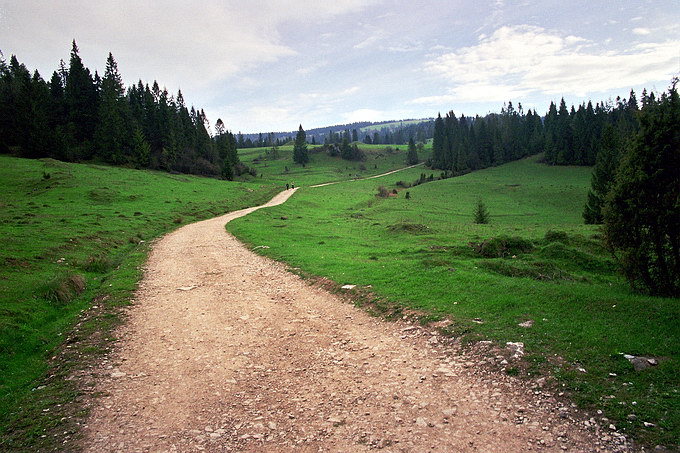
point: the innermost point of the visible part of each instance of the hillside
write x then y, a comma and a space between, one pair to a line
74, 234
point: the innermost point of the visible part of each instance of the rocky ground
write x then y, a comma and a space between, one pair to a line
225, 350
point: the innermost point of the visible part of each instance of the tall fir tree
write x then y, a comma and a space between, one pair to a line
412, 156
111, 135
642, 211
82, 100
300, 152
603, 176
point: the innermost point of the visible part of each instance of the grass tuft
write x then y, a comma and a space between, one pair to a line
63, 288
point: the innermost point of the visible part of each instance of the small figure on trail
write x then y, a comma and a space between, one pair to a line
287, 186
292, 186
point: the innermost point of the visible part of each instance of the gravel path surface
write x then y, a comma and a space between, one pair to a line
225, 350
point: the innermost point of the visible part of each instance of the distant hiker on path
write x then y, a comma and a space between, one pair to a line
287, 186
292, 186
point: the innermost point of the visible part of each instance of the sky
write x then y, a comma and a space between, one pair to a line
265, 66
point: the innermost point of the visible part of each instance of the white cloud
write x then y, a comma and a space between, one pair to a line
516, 61
182, 44
375, 36
362, 115
641, 31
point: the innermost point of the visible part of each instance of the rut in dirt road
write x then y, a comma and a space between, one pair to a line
225, 350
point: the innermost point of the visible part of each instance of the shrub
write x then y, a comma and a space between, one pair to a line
63, 288
556, 236
383, 192
503, 246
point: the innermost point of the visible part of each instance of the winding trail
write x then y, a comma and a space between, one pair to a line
225, 350
367, 177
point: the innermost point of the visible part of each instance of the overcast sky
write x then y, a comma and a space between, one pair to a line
271, 65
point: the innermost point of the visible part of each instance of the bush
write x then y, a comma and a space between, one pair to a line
556, 236
63, 288
383, 192
503, 246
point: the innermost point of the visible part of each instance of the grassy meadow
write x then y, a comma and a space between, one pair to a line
322, 167
75, 236
535, 261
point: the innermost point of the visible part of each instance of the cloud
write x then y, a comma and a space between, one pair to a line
362, 115
182, 44
519, 60
641, 31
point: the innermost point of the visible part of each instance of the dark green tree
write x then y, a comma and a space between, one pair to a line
603, 175
82, 100
412, 156
481, 214
111, 133
300, 152
642, 211
141, 150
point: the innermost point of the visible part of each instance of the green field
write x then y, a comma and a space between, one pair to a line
322, 167
73, 234
76, 236
535, 261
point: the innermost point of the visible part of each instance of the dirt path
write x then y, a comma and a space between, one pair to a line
225, 350
367, 177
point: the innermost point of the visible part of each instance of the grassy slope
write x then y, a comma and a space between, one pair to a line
83, 220
323, 168
415, 253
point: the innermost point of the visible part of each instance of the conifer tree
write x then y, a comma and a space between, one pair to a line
642, 209
603, 176
412, 157
300, 153
81, 98
481, 215
111, 134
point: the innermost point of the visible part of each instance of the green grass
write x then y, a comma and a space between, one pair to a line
73, 234
322, 167
534, 261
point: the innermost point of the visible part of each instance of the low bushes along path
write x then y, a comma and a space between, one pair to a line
224, 350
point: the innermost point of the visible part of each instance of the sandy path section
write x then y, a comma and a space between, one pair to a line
224, 350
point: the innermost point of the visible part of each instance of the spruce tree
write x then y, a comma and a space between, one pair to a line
412, 156
481, 214
300, 153
603, 176
82, 100
111, 133
642, 211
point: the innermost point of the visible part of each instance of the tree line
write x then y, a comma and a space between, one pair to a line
80, 116
635, 191
567, 136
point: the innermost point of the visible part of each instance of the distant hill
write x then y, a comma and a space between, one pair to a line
319, 134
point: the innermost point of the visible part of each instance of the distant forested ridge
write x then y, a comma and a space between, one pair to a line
384, 132
80, 116
567, 136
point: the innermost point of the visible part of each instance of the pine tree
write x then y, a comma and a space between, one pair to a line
481, 215
300, 153
412, 157
603, 176
82, 100
141, 150
111, 133
642, 210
